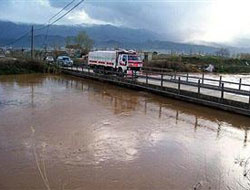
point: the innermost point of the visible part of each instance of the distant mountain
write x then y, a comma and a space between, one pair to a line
104, 36
10, 31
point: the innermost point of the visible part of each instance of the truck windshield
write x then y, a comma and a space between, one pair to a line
134, 58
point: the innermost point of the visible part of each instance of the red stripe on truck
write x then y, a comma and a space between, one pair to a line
123, 64
91, 61
109, 63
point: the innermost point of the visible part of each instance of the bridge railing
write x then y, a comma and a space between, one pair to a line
179, 79
189, 77
237, 85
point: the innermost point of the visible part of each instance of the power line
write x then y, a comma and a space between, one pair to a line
18, 39
50, 24
61, 10
46, 36
67, 12
46, 39
32, 43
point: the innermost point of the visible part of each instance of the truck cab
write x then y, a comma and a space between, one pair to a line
129, 61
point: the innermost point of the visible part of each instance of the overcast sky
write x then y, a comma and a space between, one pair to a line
179, 20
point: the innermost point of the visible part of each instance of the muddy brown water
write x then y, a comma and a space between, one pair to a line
59, 132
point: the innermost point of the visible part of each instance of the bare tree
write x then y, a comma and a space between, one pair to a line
223, 52
81, 42
69, 40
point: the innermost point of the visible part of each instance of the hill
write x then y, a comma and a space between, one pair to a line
104, 36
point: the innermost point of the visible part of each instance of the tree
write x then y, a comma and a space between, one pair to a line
223, 52
84, 42
69, 40
80, 42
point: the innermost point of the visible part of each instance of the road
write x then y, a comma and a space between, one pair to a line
154, 79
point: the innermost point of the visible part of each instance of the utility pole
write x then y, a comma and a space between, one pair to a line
32, 42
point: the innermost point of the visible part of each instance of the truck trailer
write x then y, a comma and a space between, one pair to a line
121, 61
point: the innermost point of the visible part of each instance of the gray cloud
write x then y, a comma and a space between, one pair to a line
165, 17
176, 20
168, 18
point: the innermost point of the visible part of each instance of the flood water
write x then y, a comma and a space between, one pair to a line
59, 132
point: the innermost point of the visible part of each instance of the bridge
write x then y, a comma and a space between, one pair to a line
217, 93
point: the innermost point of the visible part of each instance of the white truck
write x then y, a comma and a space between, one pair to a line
121, 61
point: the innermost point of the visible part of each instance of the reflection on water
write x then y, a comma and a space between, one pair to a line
59, 132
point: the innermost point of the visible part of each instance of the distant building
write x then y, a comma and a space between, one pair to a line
2, 53
146, 56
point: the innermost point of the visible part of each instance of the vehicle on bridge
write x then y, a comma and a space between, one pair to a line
64, 61
49, 59
121, 61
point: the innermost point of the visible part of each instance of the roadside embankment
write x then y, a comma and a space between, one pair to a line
23, 66
200, 63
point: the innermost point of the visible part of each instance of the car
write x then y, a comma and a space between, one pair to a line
64, 61
49, 59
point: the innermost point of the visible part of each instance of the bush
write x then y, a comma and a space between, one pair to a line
12, 66
198, 63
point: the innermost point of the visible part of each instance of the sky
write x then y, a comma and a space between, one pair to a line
220, 21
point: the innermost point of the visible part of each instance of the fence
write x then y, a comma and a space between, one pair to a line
147, 79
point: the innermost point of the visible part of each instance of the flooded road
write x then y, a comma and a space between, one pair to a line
59, 132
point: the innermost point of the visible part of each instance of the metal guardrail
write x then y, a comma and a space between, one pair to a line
204, 79
188, 77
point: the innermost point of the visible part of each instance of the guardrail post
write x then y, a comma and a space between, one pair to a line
175, 75
202, 78
249, 101
187, 77
222, 90
134, 75
88, 69
199, 87
179, 85
146, 78
161, 80
220, 80
240, 84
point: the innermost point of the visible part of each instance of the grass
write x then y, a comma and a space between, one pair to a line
23, 66
198, 63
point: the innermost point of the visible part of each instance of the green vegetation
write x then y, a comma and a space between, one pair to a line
199, 63
21, 66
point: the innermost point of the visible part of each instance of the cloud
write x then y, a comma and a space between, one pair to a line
40, 11
177, 20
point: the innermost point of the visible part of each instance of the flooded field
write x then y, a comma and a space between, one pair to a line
59, 132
